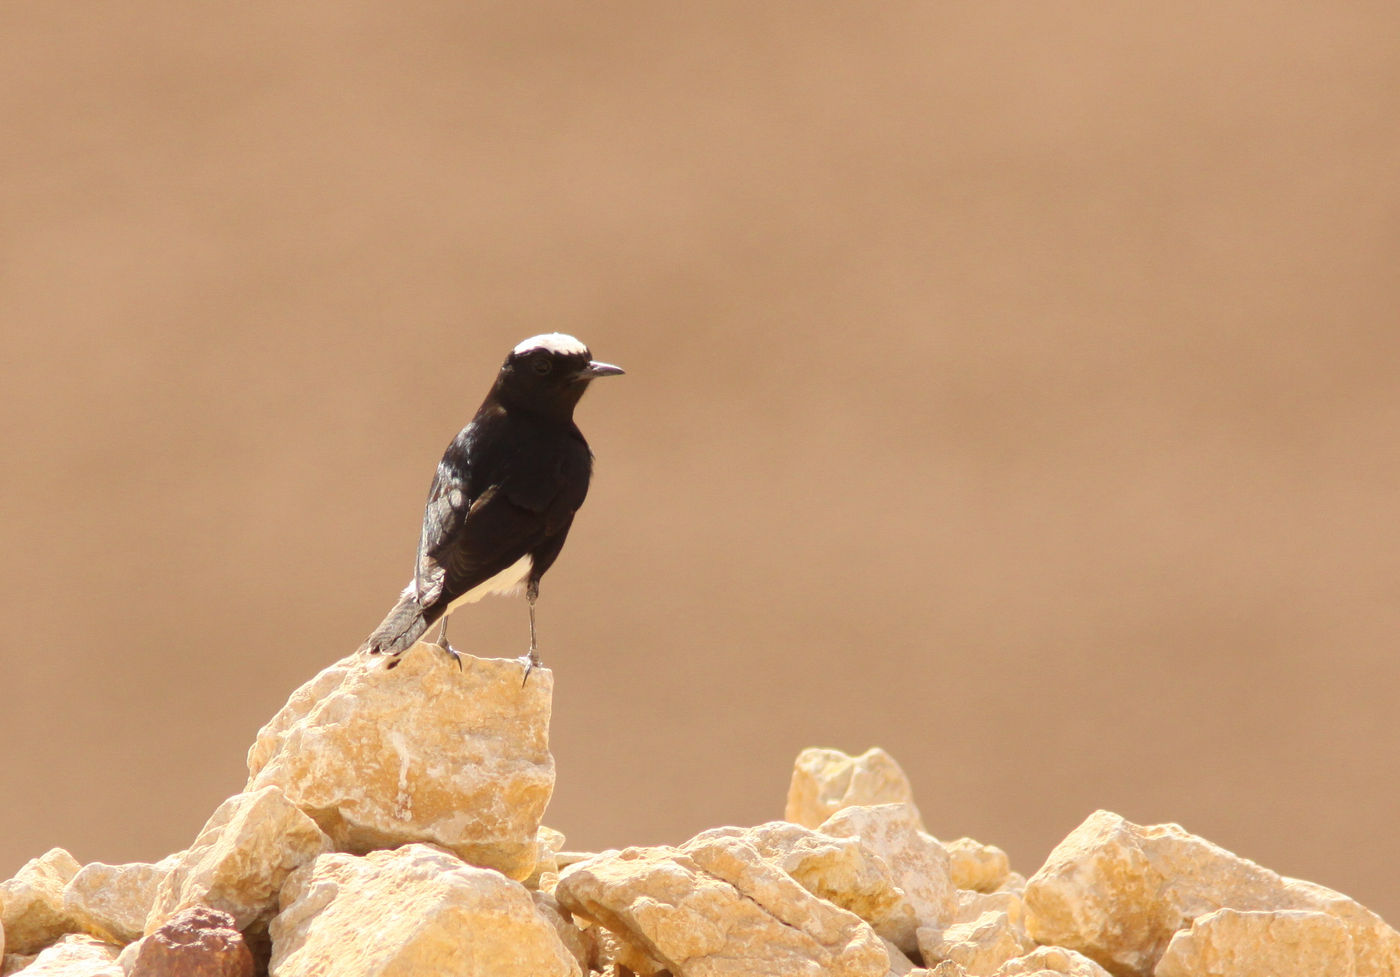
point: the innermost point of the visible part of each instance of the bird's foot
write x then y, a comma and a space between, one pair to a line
531, 662
447, 647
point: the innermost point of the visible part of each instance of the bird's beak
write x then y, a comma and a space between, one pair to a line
596, 369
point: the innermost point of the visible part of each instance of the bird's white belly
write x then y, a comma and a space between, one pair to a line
508, 581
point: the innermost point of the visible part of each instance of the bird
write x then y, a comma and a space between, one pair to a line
503, 497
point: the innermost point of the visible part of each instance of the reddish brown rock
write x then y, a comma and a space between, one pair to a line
196, 942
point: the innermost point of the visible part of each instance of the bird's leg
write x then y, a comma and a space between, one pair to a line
532, 660
442, 642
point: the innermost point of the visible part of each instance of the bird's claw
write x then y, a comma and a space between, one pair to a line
531, 662
456, 657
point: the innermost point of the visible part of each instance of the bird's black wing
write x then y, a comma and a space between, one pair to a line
482, 518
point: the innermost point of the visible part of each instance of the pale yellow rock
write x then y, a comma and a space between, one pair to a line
900, 965
976, 866
947, 968
244, 853
113, 901
1287, 943
31, 903
824, 781
1014, 882
980, 945
842, 870
421, 752
76, 956
1044, 961
972, 904
716, 907
1117, 892
417, 910
918, 865
570, 935
548, 843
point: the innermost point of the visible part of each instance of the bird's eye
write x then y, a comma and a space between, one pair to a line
543, 365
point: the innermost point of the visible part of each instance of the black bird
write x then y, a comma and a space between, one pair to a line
504, 495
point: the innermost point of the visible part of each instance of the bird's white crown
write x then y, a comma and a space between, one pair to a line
554, 342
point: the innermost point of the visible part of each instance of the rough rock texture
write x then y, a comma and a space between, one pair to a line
1046, 960
824, 781
31, 904
1117, 892
977, 866
716, 907
918, 864
76, 956
416, 910
422, 752
239, 861
195, 942
841, 870
1288, 943
548, 843
980, 945
113, 901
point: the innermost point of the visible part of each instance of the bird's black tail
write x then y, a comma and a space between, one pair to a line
401, 628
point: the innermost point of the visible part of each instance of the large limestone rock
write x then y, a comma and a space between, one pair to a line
917, 863
113, 901
416, 910
76, 956
824, 781
32, 914
1117, 892
195, 942
244, 853
422, 752
1287, 943
717, 907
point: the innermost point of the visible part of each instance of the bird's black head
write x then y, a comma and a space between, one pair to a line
548, 374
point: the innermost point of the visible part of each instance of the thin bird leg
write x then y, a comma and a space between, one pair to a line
442, 643
532, 660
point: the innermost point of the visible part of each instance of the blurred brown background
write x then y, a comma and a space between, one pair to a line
1013, 386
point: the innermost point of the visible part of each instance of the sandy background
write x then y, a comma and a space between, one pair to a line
1013, 386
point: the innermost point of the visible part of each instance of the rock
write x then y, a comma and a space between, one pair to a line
716, 907
918, 864
977, 866
13, 963
195, 942
1046, 960
244, 853
900, 965
980, 945
548, 843
1286, 943
113, 901
946, 969
573, 938
422, 752
972, 904
841, 870
1117, 892
415, 910
824, 781
76, 955
31, 903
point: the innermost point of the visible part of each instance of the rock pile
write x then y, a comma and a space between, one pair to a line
391, 826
